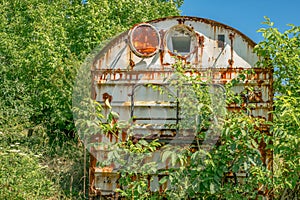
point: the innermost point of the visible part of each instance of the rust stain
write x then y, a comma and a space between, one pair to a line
124, 135
93, 161
181, 20
261, 97
144, 40
131, 64
106, 96
162, 48
201, 46
93, 91
231, 61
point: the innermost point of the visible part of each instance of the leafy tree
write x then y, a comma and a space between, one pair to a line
281, 51
43, 43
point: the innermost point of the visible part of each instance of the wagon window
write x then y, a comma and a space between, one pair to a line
144, 40
181, 40
221, 41
181, 44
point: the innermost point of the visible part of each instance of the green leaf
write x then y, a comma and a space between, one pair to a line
163, 180
212, 188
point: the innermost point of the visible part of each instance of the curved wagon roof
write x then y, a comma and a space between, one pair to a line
208, 21
218, 45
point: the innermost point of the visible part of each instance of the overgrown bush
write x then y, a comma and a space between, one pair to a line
43, 43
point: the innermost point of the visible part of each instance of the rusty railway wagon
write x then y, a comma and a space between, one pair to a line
145, 54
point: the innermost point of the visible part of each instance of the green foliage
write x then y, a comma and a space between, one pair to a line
37, 66
194, 98
21, 175
281, 51
34, 168
202, 172
43, 43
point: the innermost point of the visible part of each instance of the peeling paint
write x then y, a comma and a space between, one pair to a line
121, 74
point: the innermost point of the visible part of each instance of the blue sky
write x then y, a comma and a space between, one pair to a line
246, 15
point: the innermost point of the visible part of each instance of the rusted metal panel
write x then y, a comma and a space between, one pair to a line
123, 70
105, 181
